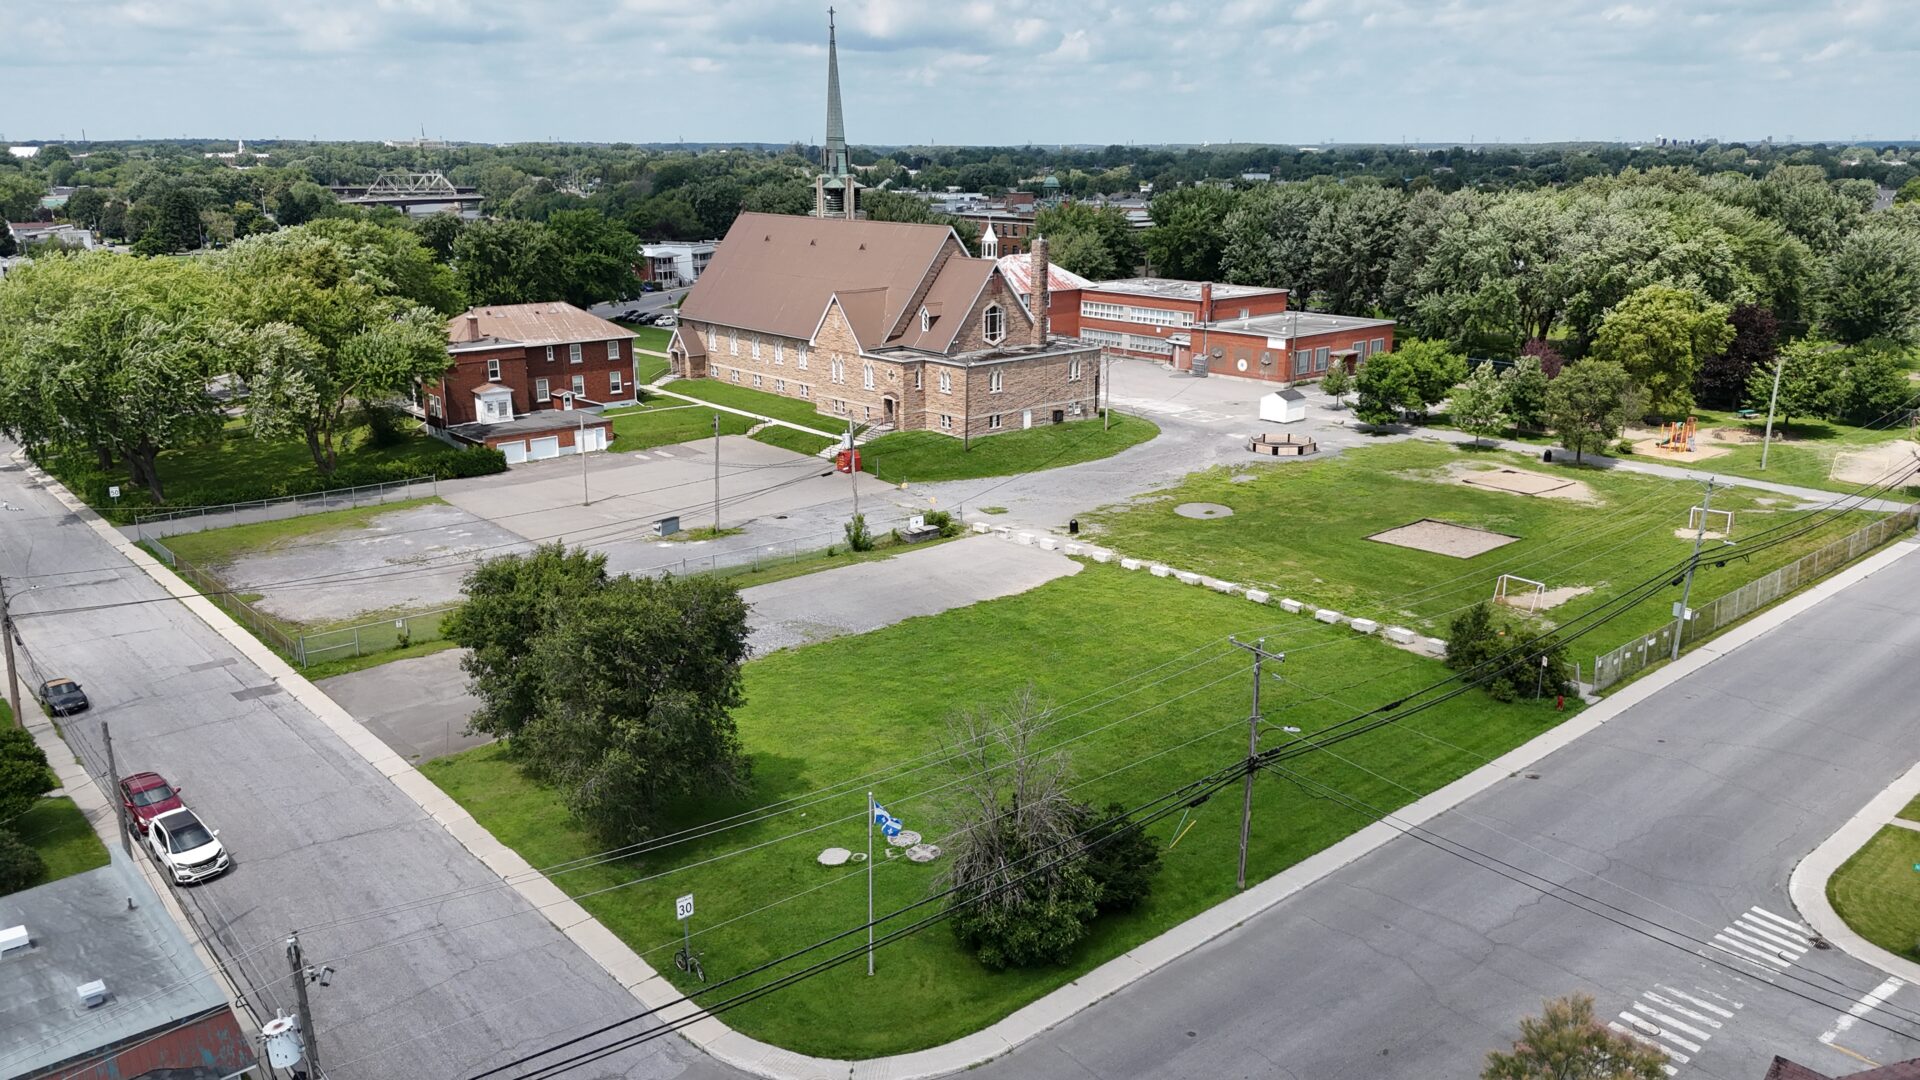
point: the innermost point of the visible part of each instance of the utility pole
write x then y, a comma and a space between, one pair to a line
113, 791
1260, 653
716, 474
1766, 444
300, 977
853, 467
13, 673
1686, 590
1106, 414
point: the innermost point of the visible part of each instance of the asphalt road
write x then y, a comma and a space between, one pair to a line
1685, 814
317, 834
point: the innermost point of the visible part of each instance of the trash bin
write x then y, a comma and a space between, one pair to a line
1546, 455
847, 461
1073, 527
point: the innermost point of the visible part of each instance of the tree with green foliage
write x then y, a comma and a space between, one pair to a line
303, 201
438, 232
1589, 403
1660, 334
1526, 385
1504, 659
1094, 242
1807, 369
24, 772
507, 262
20, 865
1021, 892
1121, 858
596, 257
1871, 288
1416, 375
1186, 238
1567, 1042
617, 690
1336, 382
1478, 405
1870, 386
330, 327
173, 225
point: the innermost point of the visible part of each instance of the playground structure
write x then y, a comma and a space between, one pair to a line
1504, 592
1725, 517
1678, 437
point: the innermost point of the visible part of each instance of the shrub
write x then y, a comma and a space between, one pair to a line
1121, 858
1505, 661
20, 865
24, 773
859, 537
943, 521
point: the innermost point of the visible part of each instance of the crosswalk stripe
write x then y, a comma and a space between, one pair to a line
1771, 935
1765, 944
1659, 1032
1789, 924
1632, 1034
1728, 942
1682, 1010
1670, 1023
1728, 1000
1707, 1005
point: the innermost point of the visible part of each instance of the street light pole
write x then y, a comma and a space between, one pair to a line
1766, 444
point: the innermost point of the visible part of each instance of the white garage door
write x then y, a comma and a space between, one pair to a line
596, 439
516, 452
542, 449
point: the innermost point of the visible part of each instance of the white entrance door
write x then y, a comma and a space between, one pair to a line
516, 451
542, 449
596, 439
1026, 418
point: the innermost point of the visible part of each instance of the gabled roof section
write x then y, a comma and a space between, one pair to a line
949, 300
775, 272
552, 323
690, 343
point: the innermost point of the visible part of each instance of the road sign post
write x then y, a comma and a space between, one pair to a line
683, 911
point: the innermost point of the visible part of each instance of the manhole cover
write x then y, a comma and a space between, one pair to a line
1203, 510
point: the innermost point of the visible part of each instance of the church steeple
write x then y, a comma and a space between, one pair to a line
835, 191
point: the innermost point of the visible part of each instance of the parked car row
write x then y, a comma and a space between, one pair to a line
180, 843
649, 318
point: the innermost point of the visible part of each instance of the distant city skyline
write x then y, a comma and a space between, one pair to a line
978, 72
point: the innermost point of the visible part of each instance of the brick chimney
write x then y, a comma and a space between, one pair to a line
473, 327
1037, 289
1206, 301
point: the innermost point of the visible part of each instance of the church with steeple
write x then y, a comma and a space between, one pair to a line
836, 193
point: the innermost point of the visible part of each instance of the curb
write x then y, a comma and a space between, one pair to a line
749, 1055
1807, 886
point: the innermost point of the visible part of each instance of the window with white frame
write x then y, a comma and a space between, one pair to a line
1094, 309
756, 381
1073, 369
549, 354
916, 378
946, 422
736, 374
1141, 343
993, 324
1104, 337
615, 387
733, 343
866, 412
837, 370
994, 381
540, 392
993, 421
779, 386
711, 341
579, 386
756, 346
926, 320
1379, 346
573, 353
800, 356
946, 382
613, 350
493, 371
779, 352
866, 374
433, 405
1360, 347
1320, 356
806, 391
1303, 362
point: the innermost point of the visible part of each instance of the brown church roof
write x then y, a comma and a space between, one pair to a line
552, 323
948, 301
775, 273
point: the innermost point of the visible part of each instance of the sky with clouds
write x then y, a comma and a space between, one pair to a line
963, 71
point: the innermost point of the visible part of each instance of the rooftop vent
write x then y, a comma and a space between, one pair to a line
14, 938
93, 994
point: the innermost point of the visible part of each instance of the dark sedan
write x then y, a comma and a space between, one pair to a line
63, 697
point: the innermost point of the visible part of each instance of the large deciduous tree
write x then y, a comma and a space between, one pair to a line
1478, 406
1094, 242
507, 262
596, 257
1659, 335
1567, 1042
1526, 382
1588, 403
1413, 377
1722, 379
617, 690
1871, 288
1188, 232
1806, 370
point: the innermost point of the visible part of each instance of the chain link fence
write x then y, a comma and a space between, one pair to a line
762, 556
1651, 648
263, 626
314, 646
195, 518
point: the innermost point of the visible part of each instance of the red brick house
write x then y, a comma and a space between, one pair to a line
517, 374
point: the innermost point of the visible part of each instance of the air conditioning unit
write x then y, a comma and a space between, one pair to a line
93, 994
13, 939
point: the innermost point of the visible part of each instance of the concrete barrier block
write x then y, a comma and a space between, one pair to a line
1075, 549
1219, 586
1257, 596
1364, 626
1131, 564
1160, 571
1327, 615
1434, 645
1100, 555
1048, 543
1004, 532
1186, 577
1294, 606
1400, 634
982, 527
1025, 538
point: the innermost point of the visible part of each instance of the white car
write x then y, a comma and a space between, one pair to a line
667, 321
186, 849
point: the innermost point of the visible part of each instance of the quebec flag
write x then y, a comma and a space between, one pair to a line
889, 824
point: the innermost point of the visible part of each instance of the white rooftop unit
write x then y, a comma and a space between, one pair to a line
92, 994
14, 937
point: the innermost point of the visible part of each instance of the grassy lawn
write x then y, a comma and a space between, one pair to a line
1911, 811
925, 456
797, 441
783, 567
62, 835
1878, 891
649, 367
779, 407
1300, 531
664, 421
816, 716
212, 548
212, 473
652, 337
327, 669
1802, 453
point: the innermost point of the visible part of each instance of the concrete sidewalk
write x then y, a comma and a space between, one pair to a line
1808, 885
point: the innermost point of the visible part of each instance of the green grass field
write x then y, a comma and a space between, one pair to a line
212, 548
1878, 891
1300, 531
663, 421
1803, 453
797, 441
1911, 811
779, 407
922, 457
57, 829
830, 715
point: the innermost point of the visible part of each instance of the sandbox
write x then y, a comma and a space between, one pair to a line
1524, 482
1444, 538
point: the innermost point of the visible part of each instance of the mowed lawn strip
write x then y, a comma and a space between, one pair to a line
831, 715
799, 442
1877, 891
1300, 530
759, 402
922, 457
663, 421
60, 832
212, 548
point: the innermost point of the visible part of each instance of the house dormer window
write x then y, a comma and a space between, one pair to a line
993, 324
926, 320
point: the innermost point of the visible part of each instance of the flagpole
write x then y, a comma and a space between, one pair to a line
869, 882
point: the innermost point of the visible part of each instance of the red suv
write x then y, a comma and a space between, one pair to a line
147, 795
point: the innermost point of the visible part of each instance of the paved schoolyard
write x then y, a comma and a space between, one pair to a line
419, 707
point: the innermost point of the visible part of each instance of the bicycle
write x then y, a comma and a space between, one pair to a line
688, 960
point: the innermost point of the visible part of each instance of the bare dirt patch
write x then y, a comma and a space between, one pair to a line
1688, 534
1522, 482
1702, 450
1542, 601
1444, 538
1875, 464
